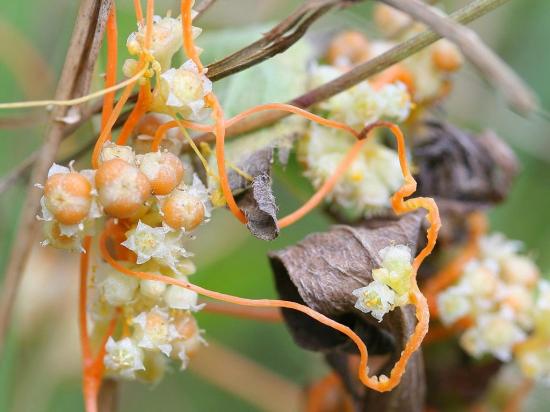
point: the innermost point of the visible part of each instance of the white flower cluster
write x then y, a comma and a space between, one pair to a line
429, 67
156, 208
369, 182
178, 90
183, 91
391, 285
372, 178
363, 104
505, 299
166, 40
159, 321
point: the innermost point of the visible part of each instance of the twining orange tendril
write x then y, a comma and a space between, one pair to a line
106, 130
149, 25
260, 314
84, 262
477, 227
219, 131
137, 112
139, 11
92, 367
111, 67
144, 98
162, 129
217, 111
187, 32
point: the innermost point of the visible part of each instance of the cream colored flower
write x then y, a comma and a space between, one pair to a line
123, 358
376, 299
155, 330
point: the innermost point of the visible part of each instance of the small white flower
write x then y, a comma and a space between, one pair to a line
496, 246
166, 39
112, 151
153, 289
453, 304
155, 330
480, 279
118, 289
123, 358
376, 299
534, 361
183, 90
177, 297
147, 242
499, 334
397, 258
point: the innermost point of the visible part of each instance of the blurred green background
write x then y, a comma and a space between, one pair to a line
39, 370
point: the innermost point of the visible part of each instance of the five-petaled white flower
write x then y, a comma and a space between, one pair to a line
123, 358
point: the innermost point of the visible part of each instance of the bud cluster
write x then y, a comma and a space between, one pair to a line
505, 300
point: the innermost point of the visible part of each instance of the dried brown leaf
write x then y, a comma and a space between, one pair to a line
322, 271
260, 209
459, 168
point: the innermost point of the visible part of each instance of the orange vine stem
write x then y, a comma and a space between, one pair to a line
163, 128
187, 32
139, 11
105, 133
110, 72
260, 314
137, 112
149, 25
219, 131
92, 368
82, 302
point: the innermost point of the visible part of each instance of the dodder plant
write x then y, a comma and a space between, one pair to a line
149, 188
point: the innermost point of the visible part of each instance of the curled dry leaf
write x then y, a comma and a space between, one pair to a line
459, 168
322, 271
462, 172
258, 205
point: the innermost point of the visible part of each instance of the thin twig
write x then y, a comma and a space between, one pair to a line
468, 13
203, 6
520, 97
276, 41
74, 81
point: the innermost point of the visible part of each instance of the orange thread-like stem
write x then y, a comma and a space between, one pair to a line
137, 112
187, 32
139, 11
162, 129
111, 66
149, 25
259, 314
105, 133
